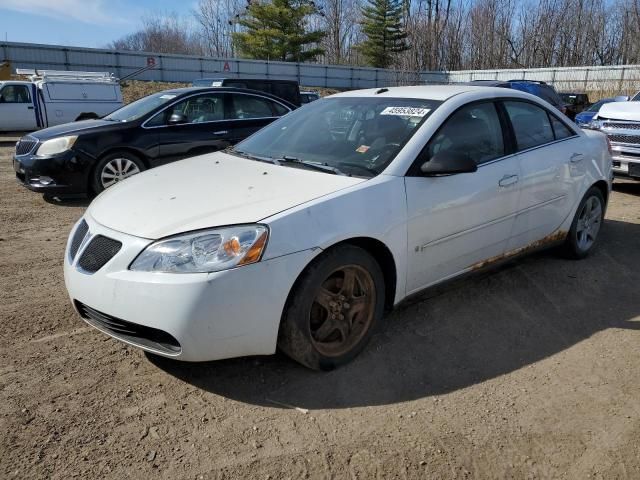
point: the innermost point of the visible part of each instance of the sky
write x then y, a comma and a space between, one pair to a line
83, 23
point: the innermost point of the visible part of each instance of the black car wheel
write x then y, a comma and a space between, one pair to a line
333, 309
114, 168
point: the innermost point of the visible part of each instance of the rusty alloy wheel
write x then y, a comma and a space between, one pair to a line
343, 310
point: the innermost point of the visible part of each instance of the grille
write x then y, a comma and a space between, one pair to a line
99, 251
627, 126
131, 332
25, 145
624, 138
76, 241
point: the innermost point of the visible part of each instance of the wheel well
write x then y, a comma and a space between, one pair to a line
137, 154
381, 253
87, 116
604, 189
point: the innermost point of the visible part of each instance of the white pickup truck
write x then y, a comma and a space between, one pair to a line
620, 121
54, 97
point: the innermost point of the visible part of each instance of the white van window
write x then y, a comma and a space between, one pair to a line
15, 94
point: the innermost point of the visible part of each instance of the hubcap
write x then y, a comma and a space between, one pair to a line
589, 222
116, 170
343, 310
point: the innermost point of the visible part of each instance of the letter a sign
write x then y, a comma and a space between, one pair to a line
226, 67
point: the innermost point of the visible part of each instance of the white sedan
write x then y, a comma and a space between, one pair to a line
303, 235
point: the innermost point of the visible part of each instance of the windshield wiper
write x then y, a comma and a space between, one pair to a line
249, 156
323, 167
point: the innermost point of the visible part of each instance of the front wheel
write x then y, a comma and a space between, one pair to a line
333, 309
114, 168
586, 225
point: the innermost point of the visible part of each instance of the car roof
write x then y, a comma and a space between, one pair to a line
431, 92
187, 90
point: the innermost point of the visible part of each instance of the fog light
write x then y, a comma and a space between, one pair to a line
42, 180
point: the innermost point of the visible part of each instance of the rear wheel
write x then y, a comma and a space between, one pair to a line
333, 309
114, 168
586, 225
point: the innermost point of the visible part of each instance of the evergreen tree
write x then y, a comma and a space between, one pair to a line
277, 30
382, 24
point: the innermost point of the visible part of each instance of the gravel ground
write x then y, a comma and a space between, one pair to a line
530, 371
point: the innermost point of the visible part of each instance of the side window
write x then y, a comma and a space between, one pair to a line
530, 124
15, 94
279, 109
249, 106
197, 109
560, 129
474, 130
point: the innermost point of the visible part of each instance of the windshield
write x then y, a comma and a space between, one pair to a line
636, 97
596, 106
357, 135
141, 107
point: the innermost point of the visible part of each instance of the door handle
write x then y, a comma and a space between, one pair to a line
508, 180
29, 108
576, 157
221, 132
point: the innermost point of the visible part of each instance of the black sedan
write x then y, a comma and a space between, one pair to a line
89, 156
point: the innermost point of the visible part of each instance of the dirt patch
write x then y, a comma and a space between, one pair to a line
529, 372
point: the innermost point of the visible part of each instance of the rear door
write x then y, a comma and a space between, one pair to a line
16, 109
203, 130
458, 222
247, 113
552, 165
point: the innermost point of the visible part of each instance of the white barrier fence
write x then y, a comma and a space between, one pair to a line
185, 68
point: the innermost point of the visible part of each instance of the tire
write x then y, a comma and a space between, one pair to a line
326, 323
114, 168
586, 226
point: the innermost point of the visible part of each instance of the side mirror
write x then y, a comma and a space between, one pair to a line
177, 119
448, 163
2, 100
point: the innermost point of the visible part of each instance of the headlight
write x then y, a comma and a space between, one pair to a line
56, 145
596, 124
204, 251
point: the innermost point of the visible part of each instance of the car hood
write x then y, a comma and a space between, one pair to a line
208, 191
620, 111
74, 128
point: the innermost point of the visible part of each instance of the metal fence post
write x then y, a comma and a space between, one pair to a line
621, 79
117, 62
66, 58
586, 79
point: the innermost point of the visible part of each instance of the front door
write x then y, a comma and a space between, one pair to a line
16, 109
193, 126
457, 222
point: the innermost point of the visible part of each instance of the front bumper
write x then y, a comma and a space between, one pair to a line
64, 173
626, 160
210, 316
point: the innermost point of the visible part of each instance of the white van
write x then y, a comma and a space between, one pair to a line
54, 97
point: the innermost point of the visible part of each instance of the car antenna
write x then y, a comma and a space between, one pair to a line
382, 90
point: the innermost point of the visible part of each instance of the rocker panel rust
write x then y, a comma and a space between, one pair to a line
554, 238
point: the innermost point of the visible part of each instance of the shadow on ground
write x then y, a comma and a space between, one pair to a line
473, 331
62, 201
631, 187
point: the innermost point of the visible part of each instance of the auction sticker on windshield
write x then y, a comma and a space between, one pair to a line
405, 111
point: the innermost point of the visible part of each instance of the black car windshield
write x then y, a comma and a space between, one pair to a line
356, 135
141, 107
